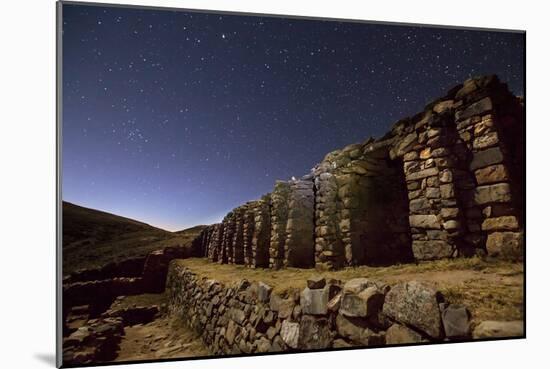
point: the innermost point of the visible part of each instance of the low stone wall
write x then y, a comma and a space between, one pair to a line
100, 294
249, 318
125, 268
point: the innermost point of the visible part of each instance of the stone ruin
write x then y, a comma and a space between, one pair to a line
92, 315
446, 182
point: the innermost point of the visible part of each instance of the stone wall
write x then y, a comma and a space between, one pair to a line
299, 249
464, 193
250, 318
446, 182
261, 234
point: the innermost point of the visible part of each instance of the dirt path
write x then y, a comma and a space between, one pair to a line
161, 339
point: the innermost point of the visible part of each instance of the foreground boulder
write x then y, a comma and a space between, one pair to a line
290, 333
415, 304
456, 321
314, 333
365, 303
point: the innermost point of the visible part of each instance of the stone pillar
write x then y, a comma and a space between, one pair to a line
215, 243
209, 239
493, 221
279, 217
435, 216
238, 238
300, 228
261, 233
248, 232
228, 235
329, 250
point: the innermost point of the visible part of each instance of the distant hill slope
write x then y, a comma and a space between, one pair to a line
92, 238
197, 228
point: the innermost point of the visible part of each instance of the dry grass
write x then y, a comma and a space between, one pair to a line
492, 290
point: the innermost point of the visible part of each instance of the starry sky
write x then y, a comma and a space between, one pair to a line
174, 118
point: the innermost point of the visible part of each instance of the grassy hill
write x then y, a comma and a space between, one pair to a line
92, 238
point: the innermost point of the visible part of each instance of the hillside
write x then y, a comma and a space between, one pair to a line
92, 238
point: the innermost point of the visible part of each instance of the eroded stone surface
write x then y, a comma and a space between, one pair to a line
416, 304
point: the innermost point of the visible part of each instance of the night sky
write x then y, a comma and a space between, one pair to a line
175, 118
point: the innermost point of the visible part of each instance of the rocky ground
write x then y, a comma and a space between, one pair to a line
133, 328
163, 338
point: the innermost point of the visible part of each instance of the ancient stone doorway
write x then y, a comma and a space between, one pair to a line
384, 233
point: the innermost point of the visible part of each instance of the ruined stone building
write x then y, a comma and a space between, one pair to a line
446, 182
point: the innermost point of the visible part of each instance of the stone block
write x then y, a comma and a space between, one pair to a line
263, 291
429, 221
411, 155
486, 157
366, 303
314, 333
506, 245
480, 107
492, 193
415, 304
405, 145
314, 301
449, 213
357, 285
456, 321
356, 330
290, 333
451, 225
443, 106
492, 174
426, 153
420, 205
422, 174
432, 249
432, 193
488, 140
504, 223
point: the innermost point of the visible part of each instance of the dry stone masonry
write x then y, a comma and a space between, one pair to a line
446, 182
249, 317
